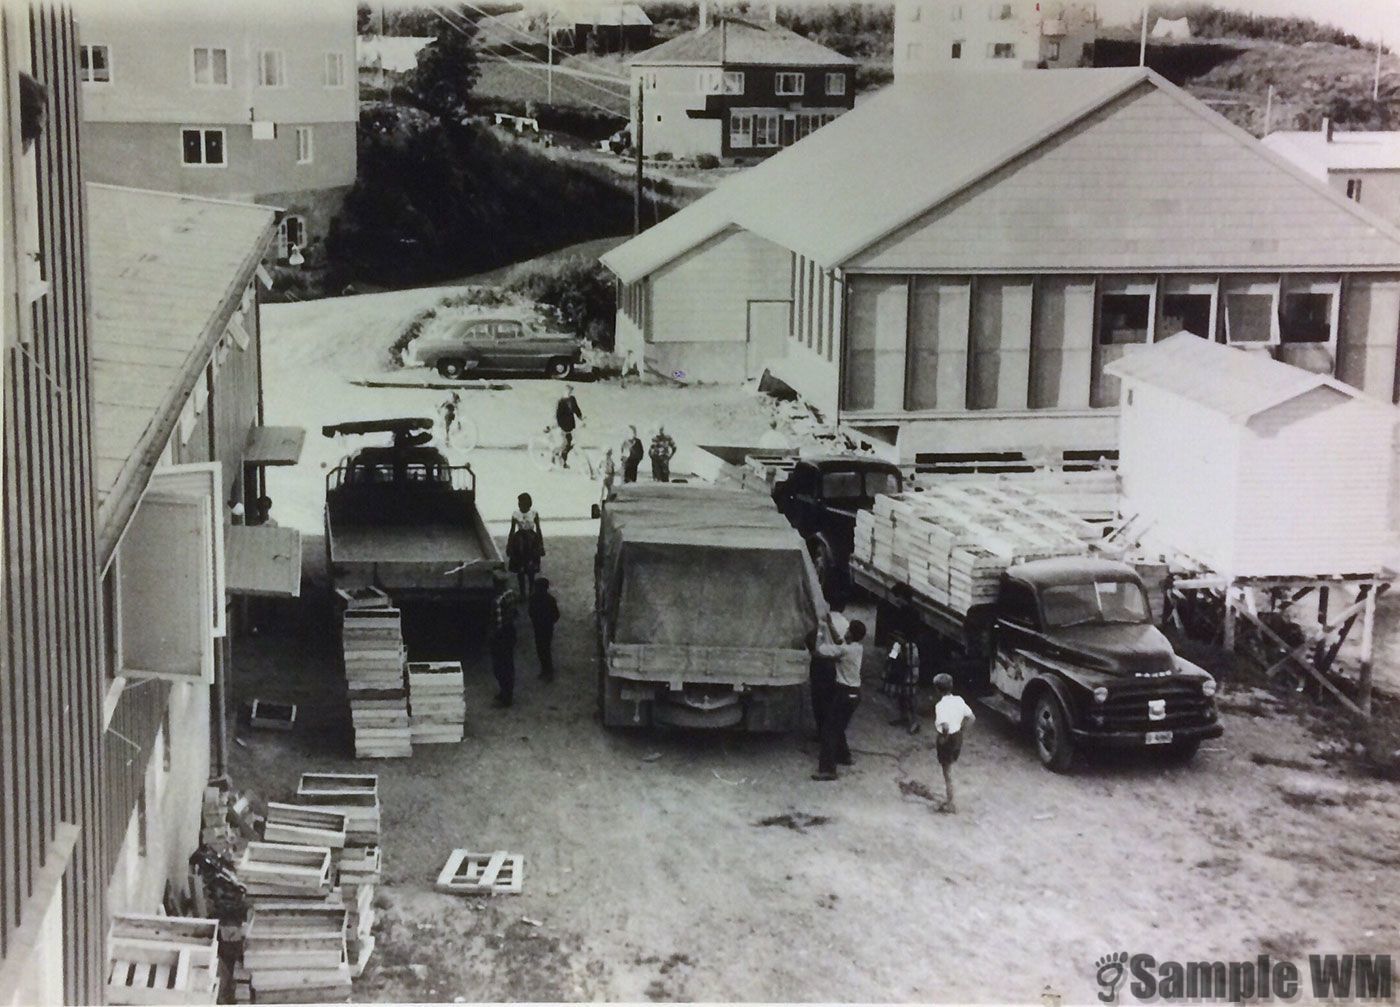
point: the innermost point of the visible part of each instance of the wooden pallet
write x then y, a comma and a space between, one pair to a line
162, 960
497, 873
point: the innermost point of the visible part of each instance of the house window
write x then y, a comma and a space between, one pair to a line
335, 69
956, 12
1306, 318
1124, 318
272, 68
836, 83
291, 233
1354, 189
741, 131
202, 146
1001, 50
999, 12
734, 82
765, 130
1251, 312
955, 52
1052, 50
305, 149
709, 81
95, 64
790, 83
1188, 312
210, 67
913, 51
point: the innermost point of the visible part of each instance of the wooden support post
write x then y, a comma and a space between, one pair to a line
1320, 651
1368, 622
1230, 618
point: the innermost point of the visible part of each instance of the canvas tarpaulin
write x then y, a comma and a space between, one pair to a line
697, 566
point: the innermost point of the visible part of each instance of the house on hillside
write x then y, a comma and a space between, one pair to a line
614, 27
966, 289
390, 53
1364, 165
737, 89
934, 36
262, 107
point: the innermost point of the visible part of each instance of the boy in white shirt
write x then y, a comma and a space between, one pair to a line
950, 717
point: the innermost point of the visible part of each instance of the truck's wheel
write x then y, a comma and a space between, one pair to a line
451, 368
1051, 729
560, 367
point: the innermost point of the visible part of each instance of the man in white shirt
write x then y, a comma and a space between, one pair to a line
844, 697
951, 717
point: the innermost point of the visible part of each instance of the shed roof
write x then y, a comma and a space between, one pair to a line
1237, 384
735, 41
168, 272
1372, 150
829, 198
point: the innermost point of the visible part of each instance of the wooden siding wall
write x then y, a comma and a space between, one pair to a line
50, 697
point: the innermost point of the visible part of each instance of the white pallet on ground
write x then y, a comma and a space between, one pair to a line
498, 873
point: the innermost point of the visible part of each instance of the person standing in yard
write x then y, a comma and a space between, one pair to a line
544, 613
451, 410
951, 718
902, 680
844, 696
524, 544
663, 449
503, 647
629, 365
566, 415
632, 453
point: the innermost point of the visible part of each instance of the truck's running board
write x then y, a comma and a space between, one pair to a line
998, 703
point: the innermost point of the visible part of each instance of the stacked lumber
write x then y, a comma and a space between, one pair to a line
294, 952
281, 870
436, 702
952, 543
162, 960
372, 639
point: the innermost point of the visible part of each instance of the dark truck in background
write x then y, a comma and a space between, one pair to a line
820, 498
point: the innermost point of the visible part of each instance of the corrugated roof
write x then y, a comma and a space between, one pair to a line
1360, 151
168, 272
1236, 383
914, 146
734, 42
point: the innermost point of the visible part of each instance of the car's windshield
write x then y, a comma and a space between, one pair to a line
1094, 603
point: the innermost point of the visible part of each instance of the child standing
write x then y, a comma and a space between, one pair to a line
951, 717
524, 544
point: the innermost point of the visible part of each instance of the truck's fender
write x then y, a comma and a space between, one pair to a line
1038, 686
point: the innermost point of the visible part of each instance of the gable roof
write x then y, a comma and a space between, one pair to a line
168, 272
830, 196
734, 41
1238, 384
1359, 151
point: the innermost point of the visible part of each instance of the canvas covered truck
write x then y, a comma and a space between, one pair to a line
1005, 594
706, 599
403, 520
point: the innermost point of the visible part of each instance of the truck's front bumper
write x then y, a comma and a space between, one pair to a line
1138, 739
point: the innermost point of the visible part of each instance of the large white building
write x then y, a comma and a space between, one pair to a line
935, 36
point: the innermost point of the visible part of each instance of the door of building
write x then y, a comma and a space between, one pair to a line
789, 134
767, 334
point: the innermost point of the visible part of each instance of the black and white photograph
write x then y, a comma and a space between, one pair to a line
700, 501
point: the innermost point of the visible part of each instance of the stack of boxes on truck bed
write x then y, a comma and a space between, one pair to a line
952, 543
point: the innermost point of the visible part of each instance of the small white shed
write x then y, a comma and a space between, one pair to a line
1254, 467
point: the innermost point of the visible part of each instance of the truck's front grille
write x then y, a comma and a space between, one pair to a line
1130, 707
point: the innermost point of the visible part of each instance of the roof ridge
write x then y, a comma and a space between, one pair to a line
187, 197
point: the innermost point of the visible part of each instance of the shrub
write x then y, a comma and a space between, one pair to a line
661, 155
578, 292
706, 161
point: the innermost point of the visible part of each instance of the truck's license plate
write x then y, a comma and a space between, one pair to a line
1158, 737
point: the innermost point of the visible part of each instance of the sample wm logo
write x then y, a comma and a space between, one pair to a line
1143, 978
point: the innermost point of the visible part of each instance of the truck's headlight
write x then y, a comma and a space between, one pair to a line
1208, 688
1101, 695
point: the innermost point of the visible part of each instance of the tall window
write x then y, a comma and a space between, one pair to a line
790, 83
1052, 50
836, 83
999, 12
955, 52
741, 131
1001, 50
210, 67
272, 68
1354, 189
335, 70
202, 146
95, 64
733, 82
1127, 315
1251, 311
765, 129
305, 149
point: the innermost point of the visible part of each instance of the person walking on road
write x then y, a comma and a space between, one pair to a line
503, 647
951, 718
632, 453
544, 613
663, 449
844, 697
451, 411
524, 544
566, 413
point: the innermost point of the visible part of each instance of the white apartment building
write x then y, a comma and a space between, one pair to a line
936, 36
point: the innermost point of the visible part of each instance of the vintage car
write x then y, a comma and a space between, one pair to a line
498, 344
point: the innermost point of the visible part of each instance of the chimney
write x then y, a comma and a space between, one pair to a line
704, 14
1327, 127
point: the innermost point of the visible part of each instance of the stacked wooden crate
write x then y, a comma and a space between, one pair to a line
436, 702
952, 543
359, 863
1089, 495
294, 952
374, 674
283, 870
162, 960
355, 795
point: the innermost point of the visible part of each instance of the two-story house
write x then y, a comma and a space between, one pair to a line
1363, 165
938, 36
256, 102
737, 89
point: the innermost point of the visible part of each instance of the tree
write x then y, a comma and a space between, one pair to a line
446, 71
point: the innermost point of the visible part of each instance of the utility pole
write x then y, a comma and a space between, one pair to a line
637, 143
1142, 47
549, 36
1269, 111
1376, 86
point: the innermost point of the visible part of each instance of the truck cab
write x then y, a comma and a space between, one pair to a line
821, 497
1075, 657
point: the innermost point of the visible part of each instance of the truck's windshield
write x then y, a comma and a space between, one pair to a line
1096, 602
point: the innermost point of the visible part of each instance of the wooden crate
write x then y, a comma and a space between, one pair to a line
162, 960
304, 825
270, 868
339, 788
498, 873
290, 936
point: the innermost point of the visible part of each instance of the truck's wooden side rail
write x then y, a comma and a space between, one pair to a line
675, 663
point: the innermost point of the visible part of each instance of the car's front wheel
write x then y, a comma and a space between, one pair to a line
560, 367
1052, 738
451, 368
